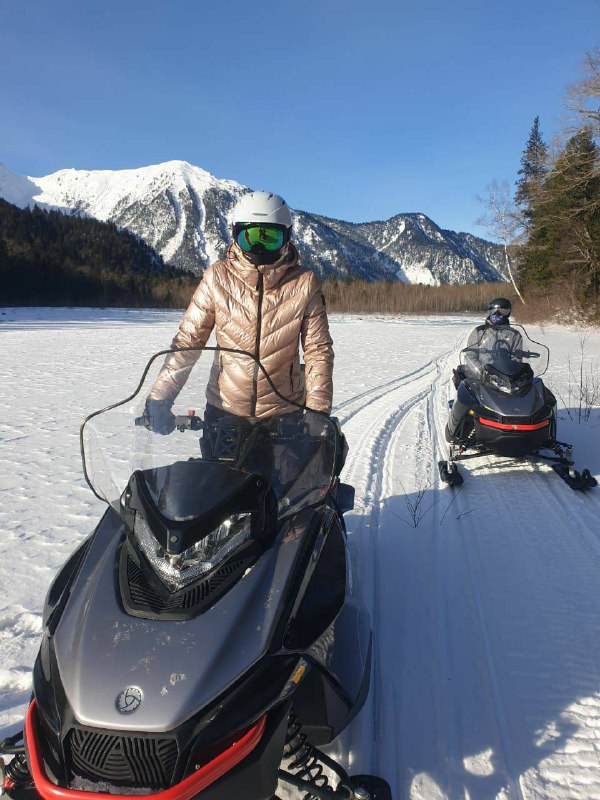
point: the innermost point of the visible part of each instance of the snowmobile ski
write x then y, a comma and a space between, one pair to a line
449, 473
579, 481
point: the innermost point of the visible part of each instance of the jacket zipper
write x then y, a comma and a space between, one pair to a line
260, 288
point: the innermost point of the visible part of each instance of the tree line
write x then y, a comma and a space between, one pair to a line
551, 225
49, 258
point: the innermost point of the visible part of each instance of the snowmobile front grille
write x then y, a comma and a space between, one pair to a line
122, 760
145, 598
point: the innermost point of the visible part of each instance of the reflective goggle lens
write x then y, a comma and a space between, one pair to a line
505, 312
270, 238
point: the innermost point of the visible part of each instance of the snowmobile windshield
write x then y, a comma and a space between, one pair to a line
506, 349
166, 428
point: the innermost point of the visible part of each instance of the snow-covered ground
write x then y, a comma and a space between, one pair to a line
485, 599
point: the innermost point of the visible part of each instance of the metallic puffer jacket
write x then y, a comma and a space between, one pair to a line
265, 311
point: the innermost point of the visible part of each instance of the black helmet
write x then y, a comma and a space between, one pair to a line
499, 305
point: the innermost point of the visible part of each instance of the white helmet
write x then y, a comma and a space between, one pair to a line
262, 224
262, 207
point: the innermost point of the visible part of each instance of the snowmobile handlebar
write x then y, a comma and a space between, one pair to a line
183, 422
512, 353
191, 422
525, 354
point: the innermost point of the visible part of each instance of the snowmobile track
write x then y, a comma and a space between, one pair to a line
375, 393
375, 451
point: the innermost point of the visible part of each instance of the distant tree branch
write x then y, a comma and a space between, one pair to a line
504, 221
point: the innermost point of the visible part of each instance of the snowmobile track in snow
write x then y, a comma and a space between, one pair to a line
376, 392
373, 450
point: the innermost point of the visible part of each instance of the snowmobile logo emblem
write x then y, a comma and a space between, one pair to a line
129, 700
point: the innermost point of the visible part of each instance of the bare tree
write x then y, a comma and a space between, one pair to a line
504, 221
583, 98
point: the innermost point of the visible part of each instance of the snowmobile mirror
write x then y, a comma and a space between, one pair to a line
345, 497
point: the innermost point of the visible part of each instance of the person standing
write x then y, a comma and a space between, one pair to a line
258, 299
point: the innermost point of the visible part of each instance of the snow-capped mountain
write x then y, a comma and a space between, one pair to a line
184, 213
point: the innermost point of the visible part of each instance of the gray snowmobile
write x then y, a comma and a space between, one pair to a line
205, 640
503, 408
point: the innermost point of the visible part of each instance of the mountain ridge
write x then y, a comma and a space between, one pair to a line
184, 213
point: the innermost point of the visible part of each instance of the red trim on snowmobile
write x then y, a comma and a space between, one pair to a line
509, 426
185, 790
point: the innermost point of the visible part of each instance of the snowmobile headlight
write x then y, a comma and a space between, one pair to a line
520, 382
177, 571
498, 383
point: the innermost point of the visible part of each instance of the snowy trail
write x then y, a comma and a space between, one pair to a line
480, 693
485, 601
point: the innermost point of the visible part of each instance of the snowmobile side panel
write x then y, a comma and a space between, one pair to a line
459, 421
344, 649
324, 707
322, 587
58, 592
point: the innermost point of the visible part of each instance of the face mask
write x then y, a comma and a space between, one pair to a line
497, 318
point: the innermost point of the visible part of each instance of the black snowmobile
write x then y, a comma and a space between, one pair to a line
503, 408
204, 641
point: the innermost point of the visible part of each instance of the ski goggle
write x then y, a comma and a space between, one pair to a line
269, 237
505, 312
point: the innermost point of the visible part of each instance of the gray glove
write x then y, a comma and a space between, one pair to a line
158, 417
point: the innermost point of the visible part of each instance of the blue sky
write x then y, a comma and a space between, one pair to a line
356, 110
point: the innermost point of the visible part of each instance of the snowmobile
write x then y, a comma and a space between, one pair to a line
503, 408
205, 640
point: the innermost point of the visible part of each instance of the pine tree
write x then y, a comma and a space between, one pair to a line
564, 241
533, 170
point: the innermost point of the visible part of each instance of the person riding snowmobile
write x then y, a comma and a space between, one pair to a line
259, 300
494, 335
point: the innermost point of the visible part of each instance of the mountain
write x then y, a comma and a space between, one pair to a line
184, 212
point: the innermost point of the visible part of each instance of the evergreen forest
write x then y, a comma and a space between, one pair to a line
556, 211
49, 258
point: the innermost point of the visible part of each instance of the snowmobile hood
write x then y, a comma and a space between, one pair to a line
175, 667
506, 405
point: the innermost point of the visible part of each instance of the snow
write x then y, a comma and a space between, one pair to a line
485, 601
101, 192
16, 188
